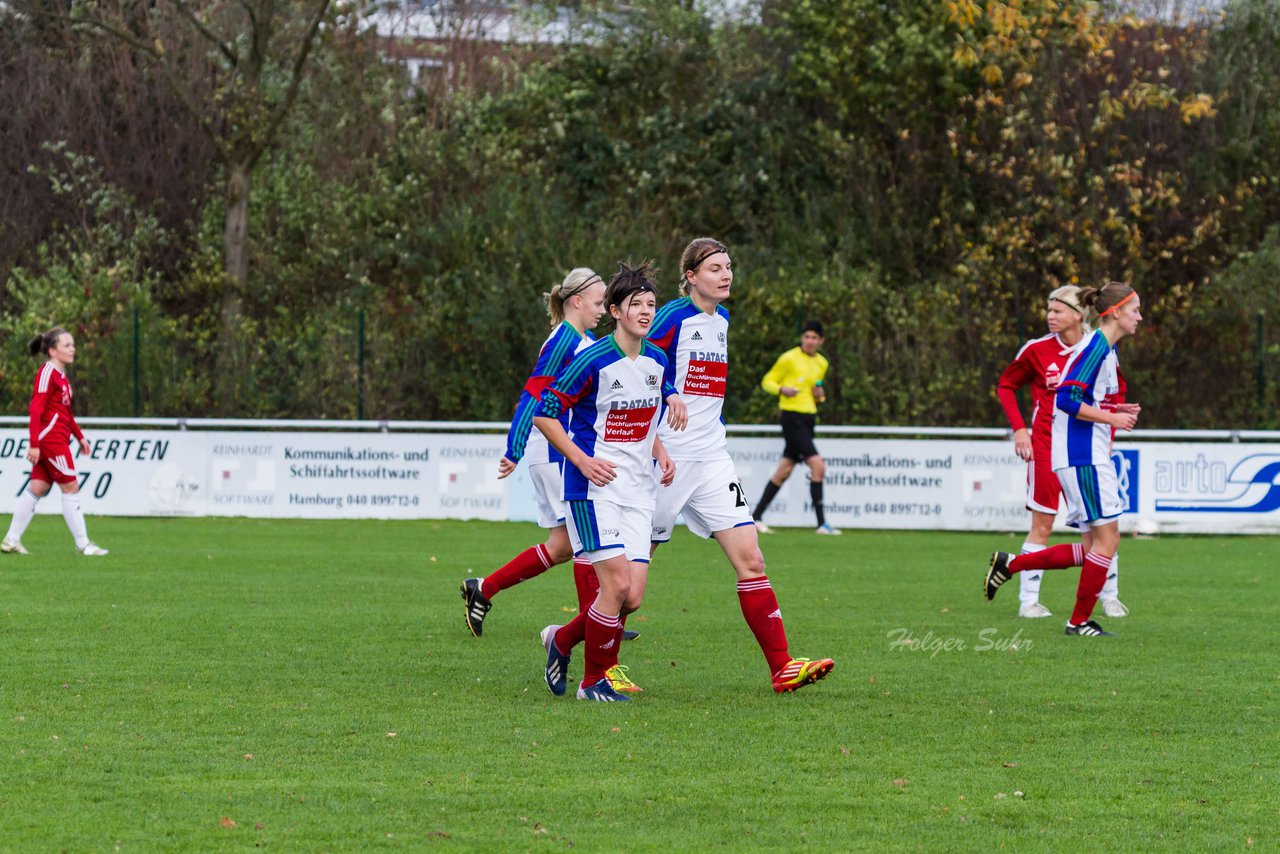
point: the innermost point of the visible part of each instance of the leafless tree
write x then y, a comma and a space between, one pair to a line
255, 55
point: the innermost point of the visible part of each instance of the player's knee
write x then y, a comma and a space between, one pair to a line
559, 552
70, 488
817, 469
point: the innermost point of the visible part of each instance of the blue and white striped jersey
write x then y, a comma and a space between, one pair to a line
1091, 374
696, 345
616, 403
557, 351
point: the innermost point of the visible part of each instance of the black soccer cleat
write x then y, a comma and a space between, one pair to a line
477, 605
997, 574
1088, 630
627, 634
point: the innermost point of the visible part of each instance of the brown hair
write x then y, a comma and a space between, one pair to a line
46, 341
578, 280
1105, 298
698, 250
629, 281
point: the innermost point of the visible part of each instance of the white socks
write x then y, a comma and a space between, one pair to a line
22, 513
1111, 590
75, 518
1029, 580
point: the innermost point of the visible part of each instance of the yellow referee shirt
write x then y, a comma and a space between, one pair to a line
800, 371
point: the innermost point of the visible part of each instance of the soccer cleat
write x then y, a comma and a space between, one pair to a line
1114, 608
1033, 610
997, 574
762, 528
799, 672
627, 634
1088, 630
93, 550
825, 528
617, 676
602, 692
12, 547
477, 606
557, 670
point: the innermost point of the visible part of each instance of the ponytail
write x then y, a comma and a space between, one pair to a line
578, 280
1105, 298
45, 341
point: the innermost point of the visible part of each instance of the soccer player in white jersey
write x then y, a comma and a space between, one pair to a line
574, 306
1082, 427
616, 392
693, 332
1039, 365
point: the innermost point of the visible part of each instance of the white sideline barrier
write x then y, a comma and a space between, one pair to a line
969, 480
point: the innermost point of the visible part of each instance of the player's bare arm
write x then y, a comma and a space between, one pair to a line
665, 464
677, 413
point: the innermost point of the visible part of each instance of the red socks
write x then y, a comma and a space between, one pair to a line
764, 617
586, 582
1061, 556
600, 651
1092, 577
530, 563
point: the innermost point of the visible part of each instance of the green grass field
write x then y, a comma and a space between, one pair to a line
224, 684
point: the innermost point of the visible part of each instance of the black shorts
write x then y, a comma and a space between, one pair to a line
797, 431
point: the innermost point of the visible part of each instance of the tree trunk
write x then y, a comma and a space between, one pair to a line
235, 249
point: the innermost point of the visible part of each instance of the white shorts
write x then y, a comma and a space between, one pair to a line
548, 490
1091, 493
599, 530
709, 494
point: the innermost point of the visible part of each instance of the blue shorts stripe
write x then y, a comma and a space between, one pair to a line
584, 519
1090, 493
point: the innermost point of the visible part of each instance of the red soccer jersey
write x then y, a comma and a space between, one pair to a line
1038, 364
52, 423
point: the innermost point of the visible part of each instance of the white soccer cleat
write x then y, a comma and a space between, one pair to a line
762, 528
93, 550
1114, 608
12, 547
825, 528
1033, 610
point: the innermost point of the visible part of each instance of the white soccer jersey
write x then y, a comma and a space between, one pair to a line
616, 403
696, 345
1091, 374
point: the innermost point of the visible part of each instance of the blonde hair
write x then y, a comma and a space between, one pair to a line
1069, 295
578, 280
698, 250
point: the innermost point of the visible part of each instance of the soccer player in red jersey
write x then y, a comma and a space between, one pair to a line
1039, 364
693, 332
616, 391
575, 306
1083, 425
51, 427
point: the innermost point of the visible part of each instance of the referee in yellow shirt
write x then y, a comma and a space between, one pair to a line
797, 380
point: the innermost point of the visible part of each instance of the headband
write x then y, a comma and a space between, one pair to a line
1077, 309
582, 287
1131, 295
696, 263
